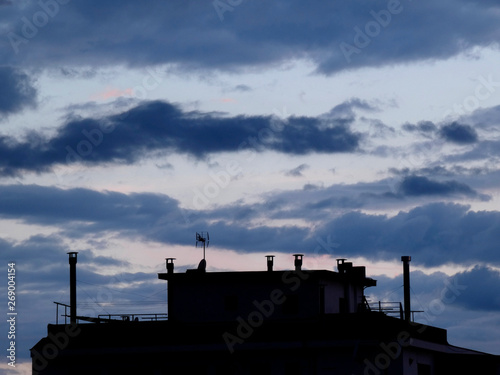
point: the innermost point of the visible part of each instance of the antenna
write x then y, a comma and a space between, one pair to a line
204, 238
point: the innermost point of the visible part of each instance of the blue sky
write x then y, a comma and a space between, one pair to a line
363, 129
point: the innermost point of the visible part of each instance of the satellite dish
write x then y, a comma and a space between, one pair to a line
202, 266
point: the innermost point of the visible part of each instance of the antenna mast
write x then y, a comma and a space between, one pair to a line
204, 238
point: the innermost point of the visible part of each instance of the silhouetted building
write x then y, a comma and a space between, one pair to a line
265, 322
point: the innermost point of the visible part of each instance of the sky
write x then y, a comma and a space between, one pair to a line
364, 130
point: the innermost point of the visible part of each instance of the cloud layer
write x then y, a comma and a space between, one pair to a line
17, 92
435, 234
335, 36
160, 128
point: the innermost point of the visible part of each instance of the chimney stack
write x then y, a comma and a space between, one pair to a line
298, 261
270, 262
72, 286
170, 265
406, 286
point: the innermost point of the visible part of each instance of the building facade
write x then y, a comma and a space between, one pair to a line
286, 322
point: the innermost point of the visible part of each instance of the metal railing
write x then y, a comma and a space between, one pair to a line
391, 308
388, 308
133, 317
65, 312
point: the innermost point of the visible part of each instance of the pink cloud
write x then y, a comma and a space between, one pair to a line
112, 93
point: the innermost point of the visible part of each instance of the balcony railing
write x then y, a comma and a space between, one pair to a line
388, 308
132, 317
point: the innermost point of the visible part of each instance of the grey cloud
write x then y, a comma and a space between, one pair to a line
422, 186
425, 128
485, 120
479, 288
18, 91
297, 171
435, 233
442, 171
257, 33
347, 109
381, 130
154, 128
242, 88
458, 133
483, 150
316, 203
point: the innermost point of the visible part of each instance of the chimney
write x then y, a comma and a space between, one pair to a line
170, 265
72, 286
340, 265
270, 262
298, 261
406, 286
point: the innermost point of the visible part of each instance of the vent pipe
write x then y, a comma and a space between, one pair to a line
406, 285
298, 261
170, 265
72, 286
270, 262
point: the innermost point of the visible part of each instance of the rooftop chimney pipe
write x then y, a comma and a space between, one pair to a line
298, 261
406, 285
170, 265
72, 286
270, 262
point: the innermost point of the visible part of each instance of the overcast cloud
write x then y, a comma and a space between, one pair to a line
330, 128
253, 33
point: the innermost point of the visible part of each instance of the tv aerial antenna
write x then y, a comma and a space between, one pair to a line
203, 238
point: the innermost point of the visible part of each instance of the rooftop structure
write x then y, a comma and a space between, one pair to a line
294, 321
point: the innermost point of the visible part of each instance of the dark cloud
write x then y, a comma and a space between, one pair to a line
297, 171
482, 150
480, 288
422, 186
425, 128
68, 72
334, 35
380, 130
435, 234
242, 88
486, 121
485, 118
159, 128
347, 109
433, 171
442, 171
458, 133
317, 203
53, 206
17, 91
